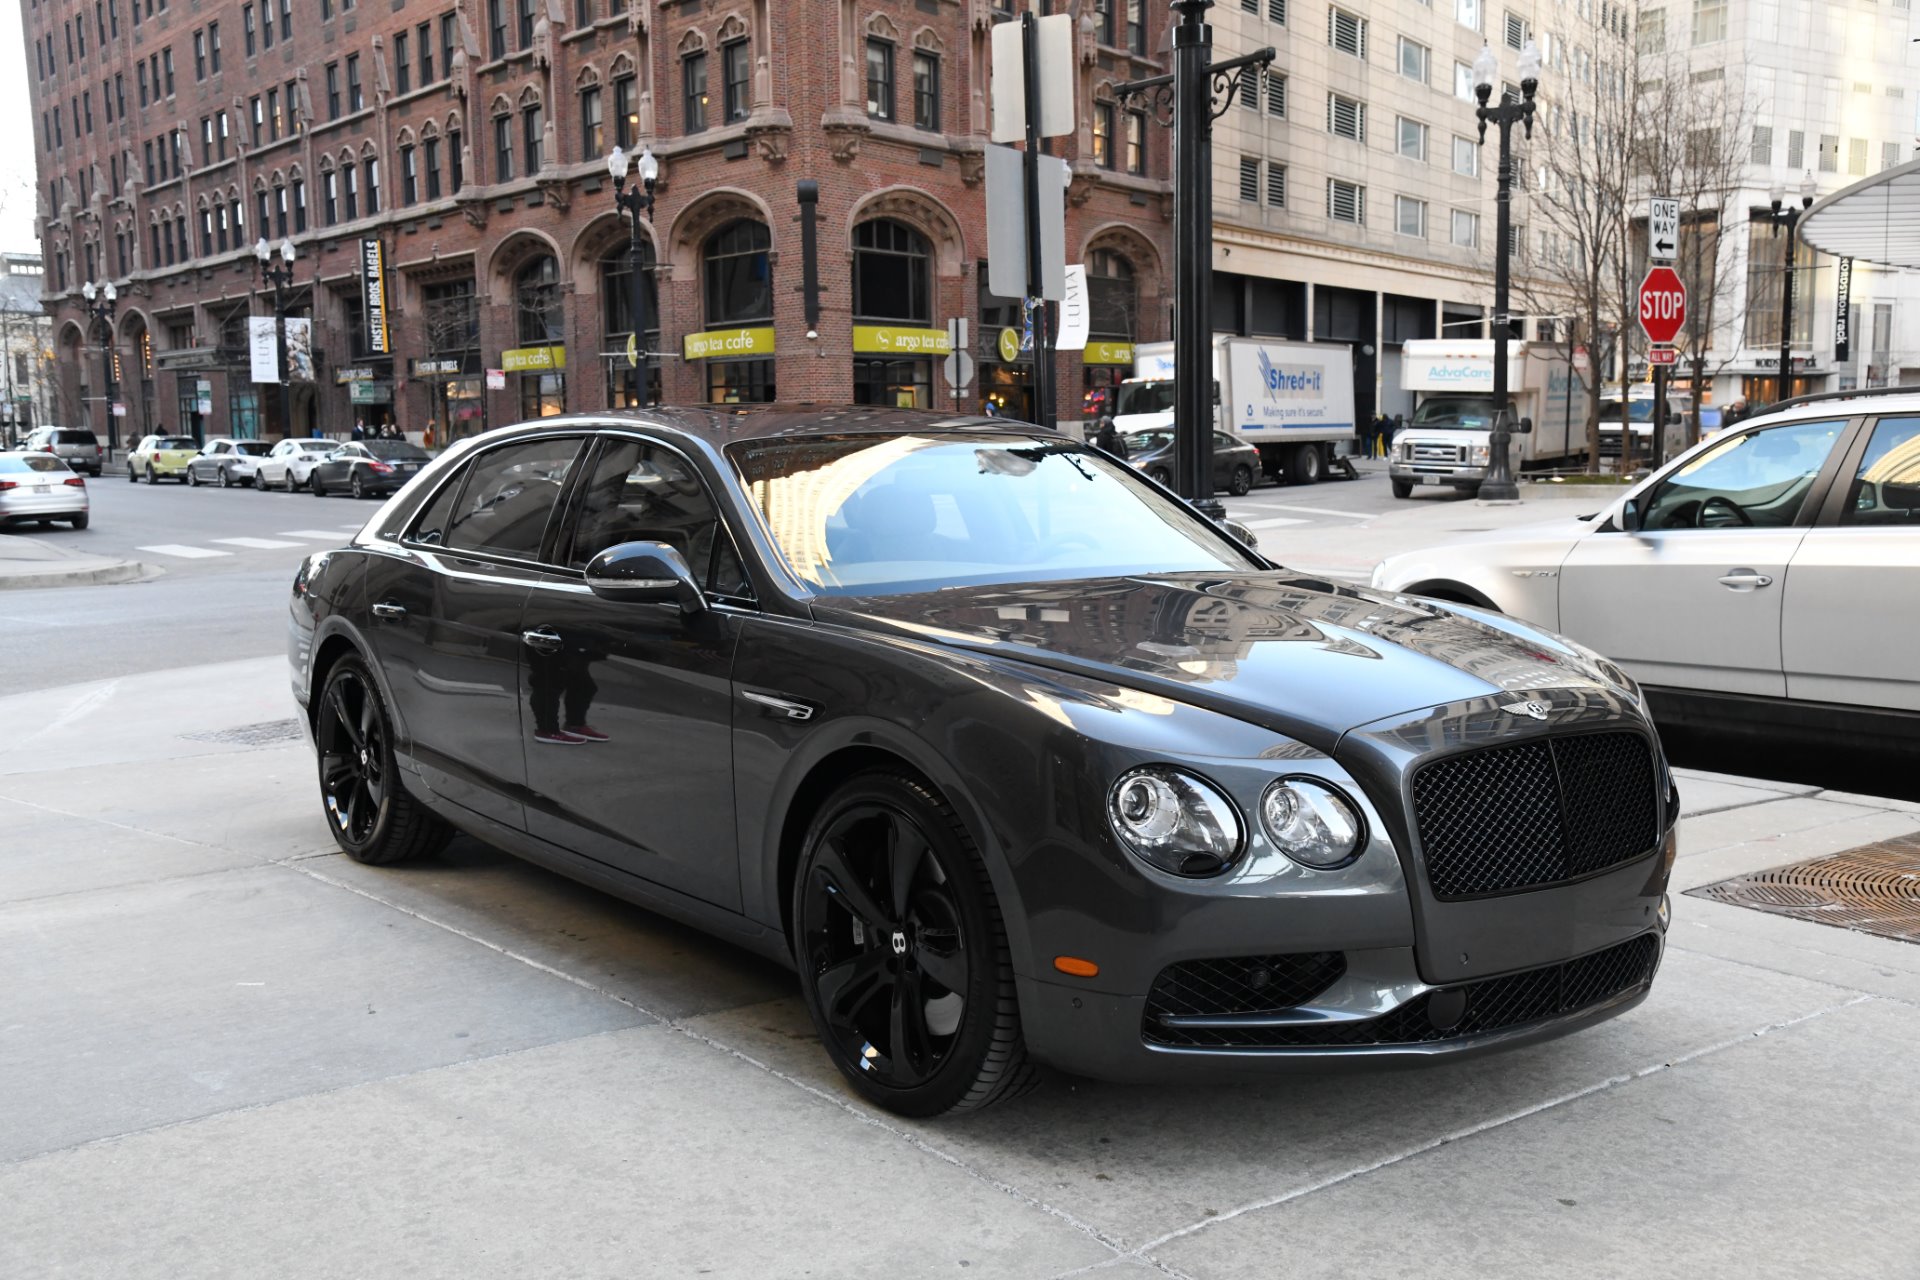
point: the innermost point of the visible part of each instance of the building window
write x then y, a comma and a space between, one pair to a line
626, 112
279, 211
526, 24
880, 79
1762, 152
1410, 217
738, 66
431, 147
926, 91
350, 185
248, 33
541, 322
333, 91
1249, 93
1709, 21
892, 273
456, 162
1346, 202
1515, 31
1796, 149
213, 46
423, 40
1466, 157
273, 114
1463, 82
1249, 179
593, 131
1829, 153
1347, 32
1412, 139
1414, 60
1137, 26
372, 167
409, 177
583, 13
1346, 118
533, 120
286, 19
739, 291
496, 29
199, 55
693, 91
1469, 13
502, 148
616, 293
1276, 185
1103, 21
1766, 256
1136, 142
402, 64
1466, 229
1103, 117
1276, 93
1857, 157
299, 205
355, 100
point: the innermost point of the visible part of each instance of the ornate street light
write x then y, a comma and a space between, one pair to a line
636, 204
1785, 215
279, 278
1499, 485
100, 303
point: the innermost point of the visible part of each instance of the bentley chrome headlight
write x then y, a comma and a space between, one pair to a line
1174, 821
1311, 823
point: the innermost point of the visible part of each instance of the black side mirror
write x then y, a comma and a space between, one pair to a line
1526, 426
644, 573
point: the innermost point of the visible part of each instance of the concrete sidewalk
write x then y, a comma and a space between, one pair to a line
230, 1051
33, 562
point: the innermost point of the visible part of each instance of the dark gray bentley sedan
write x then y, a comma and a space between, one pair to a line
1014, 757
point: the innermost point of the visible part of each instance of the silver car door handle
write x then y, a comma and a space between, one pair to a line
1745, 580
779, 708
541, 640
388, 609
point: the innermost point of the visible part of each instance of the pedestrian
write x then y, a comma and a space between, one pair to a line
1109, 439
359, 430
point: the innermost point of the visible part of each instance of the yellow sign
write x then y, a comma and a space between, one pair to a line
633, 351
879, 339
1108, 353
534, 359
1009, 345
716, 343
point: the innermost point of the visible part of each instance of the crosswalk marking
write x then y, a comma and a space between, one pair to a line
1273, 523
184, 552
255, 544
323, 535
1318, 511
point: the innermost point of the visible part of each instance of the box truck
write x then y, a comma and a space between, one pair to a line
1293, 401
1448, 441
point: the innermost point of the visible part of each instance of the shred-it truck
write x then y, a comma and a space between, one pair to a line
1449, 440
1293, 401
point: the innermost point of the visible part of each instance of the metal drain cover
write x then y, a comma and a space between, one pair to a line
250, 735
1874, 889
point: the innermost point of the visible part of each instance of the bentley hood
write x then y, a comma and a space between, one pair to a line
1298, 654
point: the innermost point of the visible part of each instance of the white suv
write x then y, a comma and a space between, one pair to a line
1768, 578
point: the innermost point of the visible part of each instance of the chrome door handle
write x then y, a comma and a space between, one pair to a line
541, 640
1745, 580
388, 609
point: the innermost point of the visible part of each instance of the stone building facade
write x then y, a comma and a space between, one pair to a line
471, 140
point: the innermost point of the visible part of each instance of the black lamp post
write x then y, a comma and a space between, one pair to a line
1198, 92
1499, 485
1785, 215
100, 302
636, 203
279, 278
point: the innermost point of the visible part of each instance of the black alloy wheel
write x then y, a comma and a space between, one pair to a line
371, 816
1241, 482
903, 956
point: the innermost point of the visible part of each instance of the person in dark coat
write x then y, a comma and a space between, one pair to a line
1109, 438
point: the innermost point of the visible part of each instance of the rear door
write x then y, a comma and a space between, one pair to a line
1851, 616
446, 620
1692, 598
628, 709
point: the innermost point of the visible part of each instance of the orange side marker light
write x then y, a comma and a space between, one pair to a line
1077, 967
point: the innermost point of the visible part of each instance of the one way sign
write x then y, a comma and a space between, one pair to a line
1663, 229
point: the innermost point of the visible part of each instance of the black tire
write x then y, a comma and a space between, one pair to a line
226, 478
80, 522
1402, 488
942, 922
313, 482
357, 486
1307, 466
133, 477
1240, 483
193, 477
151, 477
287, 483
1160, 475
367, 808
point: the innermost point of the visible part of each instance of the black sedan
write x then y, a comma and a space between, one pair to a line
1236, 464
1013, 757
367, 468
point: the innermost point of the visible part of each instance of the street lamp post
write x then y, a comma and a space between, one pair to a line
1499, 485
279, 278
1785, 215
636, 204
1198, 92
100, 303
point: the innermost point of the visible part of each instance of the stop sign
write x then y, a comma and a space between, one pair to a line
1663, 305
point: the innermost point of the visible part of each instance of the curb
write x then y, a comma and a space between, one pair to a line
109, 573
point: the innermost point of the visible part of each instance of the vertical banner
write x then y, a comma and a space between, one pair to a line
263, 349
1843, 311
373, 294
299, 349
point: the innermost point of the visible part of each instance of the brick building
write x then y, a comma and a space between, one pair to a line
471, 139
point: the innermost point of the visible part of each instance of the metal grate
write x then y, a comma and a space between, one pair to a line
1243, 984
250, 735
1535, 813
1873, 889
1474, 1008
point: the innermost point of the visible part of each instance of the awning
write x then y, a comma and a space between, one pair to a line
1877, 220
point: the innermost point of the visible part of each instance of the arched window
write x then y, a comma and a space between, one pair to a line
540, 312
892, 272
738, 270
616, 294
1113, 305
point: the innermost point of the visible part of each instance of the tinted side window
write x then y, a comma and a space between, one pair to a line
431, 528
509, 494
1886, 490
643, 493
1759, 479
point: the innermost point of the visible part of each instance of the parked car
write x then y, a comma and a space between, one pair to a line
1766, 582
38, 486
367, 468
289, 464
226, 462
1236, 463
78, 447
162, 458
1013, 756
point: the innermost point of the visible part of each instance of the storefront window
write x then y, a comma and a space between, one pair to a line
892, 285
739, 292
1113, 305
617, 322
541, 313
1006, 387
903, 384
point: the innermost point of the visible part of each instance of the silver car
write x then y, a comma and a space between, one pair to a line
226, 462
1768, 579
290, 463
78, 447
40, 487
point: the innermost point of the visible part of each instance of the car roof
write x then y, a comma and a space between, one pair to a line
720, 425
1843, 404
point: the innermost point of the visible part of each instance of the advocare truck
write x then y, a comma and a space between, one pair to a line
1293, 401
1449, 440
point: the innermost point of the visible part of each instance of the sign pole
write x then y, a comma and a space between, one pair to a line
1043, 412
1658, 451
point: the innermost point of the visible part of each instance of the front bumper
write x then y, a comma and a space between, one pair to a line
1435, 473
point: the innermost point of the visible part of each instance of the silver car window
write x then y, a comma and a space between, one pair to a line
1886, 487
1759, 479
